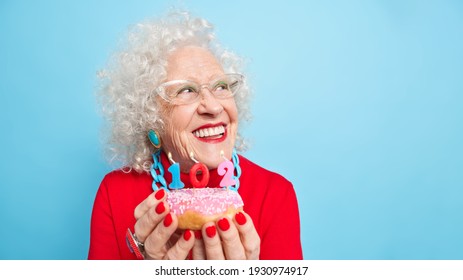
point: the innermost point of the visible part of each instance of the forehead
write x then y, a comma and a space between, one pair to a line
192, 63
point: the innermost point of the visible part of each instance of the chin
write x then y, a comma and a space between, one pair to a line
212, 164
211, 157
211, 160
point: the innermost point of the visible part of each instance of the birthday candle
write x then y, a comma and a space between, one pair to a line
226, 170
174, 169
199, 167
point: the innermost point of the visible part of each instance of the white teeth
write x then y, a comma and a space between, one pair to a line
211, 131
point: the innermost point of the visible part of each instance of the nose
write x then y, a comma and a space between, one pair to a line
209, 105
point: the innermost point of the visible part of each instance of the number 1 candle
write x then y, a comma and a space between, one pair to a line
174, 169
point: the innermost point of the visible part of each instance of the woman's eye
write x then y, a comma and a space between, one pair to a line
221, 86
186, 90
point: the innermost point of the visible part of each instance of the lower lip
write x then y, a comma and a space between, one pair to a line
213, 140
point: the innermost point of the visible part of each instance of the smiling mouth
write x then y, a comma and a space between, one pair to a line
211, 133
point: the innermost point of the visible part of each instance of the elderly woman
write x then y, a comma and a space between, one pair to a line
173, 95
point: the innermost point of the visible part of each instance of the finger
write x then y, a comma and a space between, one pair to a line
155, 243
231, 242
182, 247
146, 223
149, 202
212, 243
249, 236
199, 252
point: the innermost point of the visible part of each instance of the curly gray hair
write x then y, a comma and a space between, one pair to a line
138, 68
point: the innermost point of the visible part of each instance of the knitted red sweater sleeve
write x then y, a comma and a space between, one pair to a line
280, 233
103, 242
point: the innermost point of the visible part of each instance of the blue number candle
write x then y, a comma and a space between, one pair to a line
174, 169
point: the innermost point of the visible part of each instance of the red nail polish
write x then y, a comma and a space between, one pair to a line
187, 235
224, 225
160, 208
240, 218
168, 220
211, 231
198, 234
160, 194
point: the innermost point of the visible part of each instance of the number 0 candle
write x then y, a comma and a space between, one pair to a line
199, 167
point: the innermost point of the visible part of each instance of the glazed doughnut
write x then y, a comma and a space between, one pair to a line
197, 206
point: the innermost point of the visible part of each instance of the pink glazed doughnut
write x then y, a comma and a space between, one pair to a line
195, 207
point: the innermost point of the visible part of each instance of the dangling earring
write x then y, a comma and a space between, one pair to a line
154, 138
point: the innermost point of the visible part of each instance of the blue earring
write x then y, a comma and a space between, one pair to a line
154, 138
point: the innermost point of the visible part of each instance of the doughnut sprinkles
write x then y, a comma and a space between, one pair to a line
195, 207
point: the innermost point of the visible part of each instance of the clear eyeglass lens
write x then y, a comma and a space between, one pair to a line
184, 92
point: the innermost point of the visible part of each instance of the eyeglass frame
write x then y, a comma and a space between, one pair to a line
161, 89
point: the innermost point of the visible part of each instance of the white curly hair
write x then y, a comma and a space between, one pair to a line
134, 71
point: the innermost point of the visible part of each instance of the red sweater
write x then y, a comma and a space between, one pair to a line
268, 198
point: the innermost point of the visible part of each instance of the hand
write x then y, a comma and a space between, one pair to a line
156, 228
226, 239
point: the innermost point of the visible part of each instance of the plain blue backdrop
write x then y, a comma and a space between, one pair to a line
358, 103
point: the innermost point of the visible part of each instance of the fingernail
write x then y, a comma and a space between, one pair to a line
160, 194
224, 225
168, 220
211, 231
187, 235
240, 218
160, 208
198, 234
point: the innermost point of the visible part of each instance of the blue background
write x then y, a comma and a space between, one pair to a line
358, 103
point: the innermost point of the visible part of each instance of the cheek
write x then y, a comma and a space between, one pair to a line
232, 111
178, 119
176, 131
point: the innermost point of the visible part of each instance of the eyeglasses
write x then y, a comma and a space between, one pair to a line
181, 92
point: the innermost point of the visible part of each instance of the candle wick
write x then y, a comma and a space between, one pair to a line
169, 156
192, 157
223, 155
